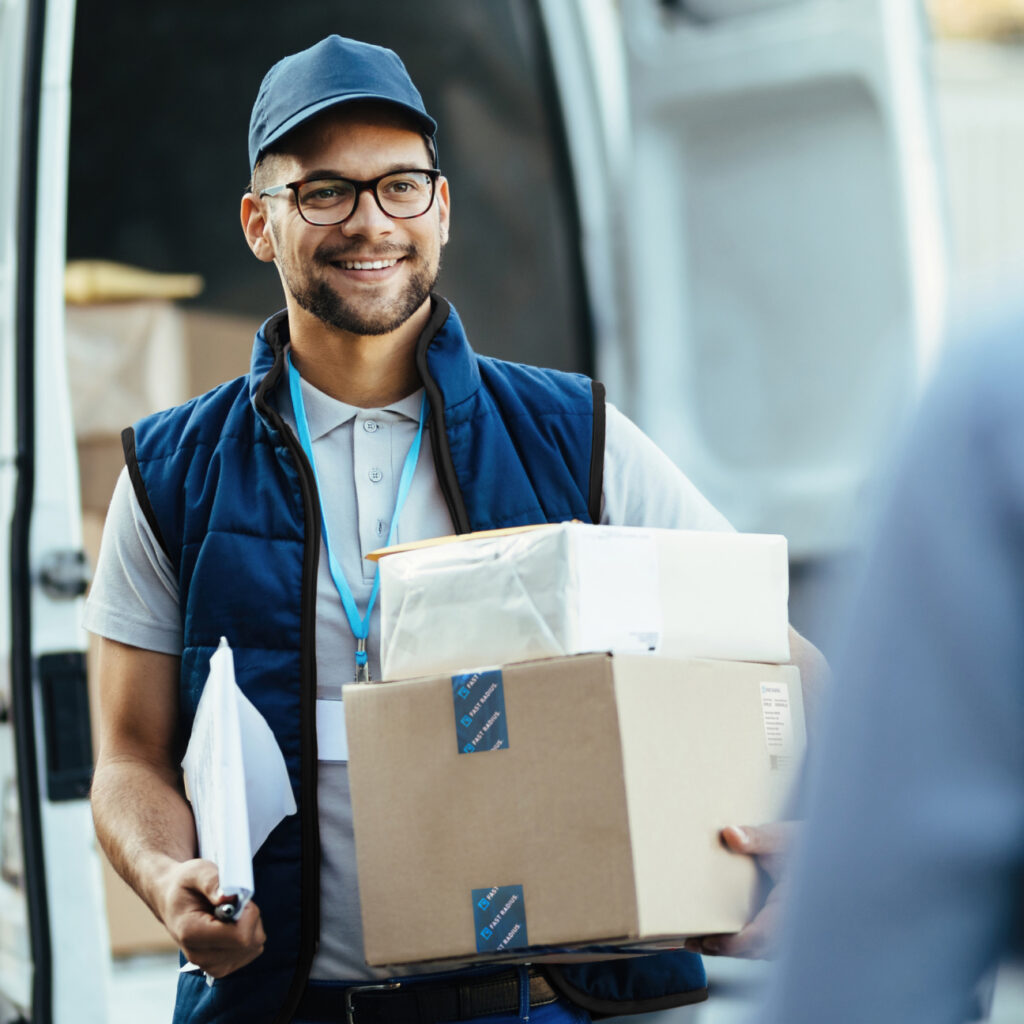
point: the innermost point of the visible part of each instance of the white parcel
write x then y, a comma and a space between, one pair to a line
572, 588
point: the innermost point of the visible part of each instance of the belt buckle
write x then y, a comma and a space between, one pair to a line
356, 989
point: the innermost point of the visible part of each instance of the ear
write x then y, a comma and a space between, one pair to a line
257, 228
444, 208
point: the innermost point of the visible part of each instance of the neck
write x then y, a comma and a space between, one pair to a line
367, 371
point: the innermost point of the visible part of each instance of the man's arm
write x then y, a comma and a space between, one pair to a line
143, 820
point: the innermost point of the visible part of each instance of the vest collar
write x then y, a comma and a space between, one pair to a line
266, 367
444, 358
442, 355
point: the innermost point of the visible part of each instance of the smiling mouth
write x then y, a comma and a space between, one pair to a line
364, 264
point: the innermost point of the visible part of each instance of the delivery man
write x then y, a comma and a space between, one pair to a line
247, 512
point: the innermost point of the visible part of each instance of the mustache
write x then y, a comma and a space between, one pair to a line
328, 254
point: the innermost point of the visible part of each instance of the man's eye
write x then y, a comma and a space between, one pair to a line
331, 192
406, 186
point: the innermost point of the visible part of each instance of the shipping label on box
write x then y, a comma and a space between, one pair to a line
587, 813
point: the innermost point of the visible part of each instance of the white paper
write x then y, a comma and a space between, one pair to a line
237, 778
331, 738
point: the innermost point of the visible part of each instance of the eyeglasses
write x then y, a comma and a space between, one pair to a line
326, 201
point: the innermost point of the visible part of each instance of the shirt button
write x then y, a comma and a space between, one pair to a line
376, 475
370, 426
380, 527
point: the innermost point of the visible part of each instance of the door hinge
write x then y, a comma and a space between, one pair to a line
64, 574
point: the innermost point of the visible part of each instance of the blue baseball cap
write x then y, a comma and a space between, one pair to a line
334, 71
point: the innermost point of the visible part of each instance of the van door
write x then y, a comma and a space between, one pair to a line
775, 256
52, 950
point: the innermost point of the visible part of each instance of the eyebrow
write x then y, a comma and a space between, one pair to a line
330, 172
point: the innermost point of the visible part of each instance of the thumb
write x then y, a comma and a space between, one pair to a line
205, 878
759, 840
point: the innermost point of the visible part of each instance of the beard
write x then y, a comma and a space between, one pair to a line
366, 316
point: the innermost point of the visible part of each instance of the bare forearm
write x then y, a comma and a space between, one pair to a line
143, 823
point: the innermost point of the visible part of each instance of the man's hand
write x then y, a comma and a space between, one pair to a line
756, 941
188, 893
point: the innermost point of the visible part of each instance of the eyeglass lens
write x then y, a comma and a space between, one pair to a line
331, 200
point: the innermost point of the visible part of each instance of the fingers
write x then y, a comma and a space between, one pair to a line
191, 891
755, 941
750, 944
220, 947
760, 840
202, 876
768, 843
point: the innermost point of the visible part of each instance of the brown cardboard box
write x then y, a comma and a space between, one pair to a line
218, 347
100, 461
594, 819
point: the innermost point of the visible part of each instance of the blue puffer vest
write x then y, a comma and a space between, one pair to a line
230, 497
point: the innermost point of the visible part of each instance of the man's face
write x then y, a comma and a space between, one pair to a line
328, 270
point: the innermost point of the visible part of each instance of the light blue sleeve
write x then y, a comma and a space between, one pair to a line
908, 879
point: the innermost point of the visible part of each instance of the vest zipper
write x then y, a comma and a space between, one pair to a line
309, 885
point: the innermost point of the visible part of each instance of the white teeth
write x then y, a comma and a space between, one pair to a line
367, 264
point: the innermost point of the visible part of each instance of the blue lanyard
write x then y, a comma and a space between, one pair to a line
360, 625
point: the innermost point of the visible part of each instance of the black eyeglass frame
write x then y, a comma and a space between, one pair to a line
368, 185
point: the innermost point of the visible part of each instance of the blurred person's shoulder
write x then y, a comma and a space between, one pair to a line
973, 410
980, 371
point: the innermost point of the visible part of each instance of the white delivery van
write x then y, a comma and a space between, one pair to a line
726, 209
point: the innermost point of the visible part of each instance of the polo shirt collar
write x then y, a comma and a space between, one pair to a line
324, 413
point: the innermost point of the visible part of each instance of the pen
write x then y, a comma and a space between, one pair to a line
228, 911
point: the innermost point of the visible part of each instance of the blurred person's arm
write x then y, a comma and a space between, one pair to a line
907, 880
143, 820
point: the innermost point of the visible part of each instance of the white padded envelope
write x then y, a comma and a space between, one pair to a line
572, 588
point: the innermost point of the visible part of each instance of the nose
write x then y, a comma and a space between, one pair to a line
367, 218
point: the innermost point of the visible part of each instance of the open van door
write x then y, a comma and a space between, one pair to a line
53, 960
761, 216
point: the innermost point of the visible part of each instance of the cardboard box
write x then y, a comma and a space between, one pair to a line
570, 588
218, 347
572, 801
100, 461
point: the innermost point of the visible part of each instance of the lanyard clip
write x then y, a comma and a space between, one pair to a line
362, 662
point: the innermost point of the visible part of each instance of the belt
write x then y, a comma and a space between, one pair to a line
422, 1002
